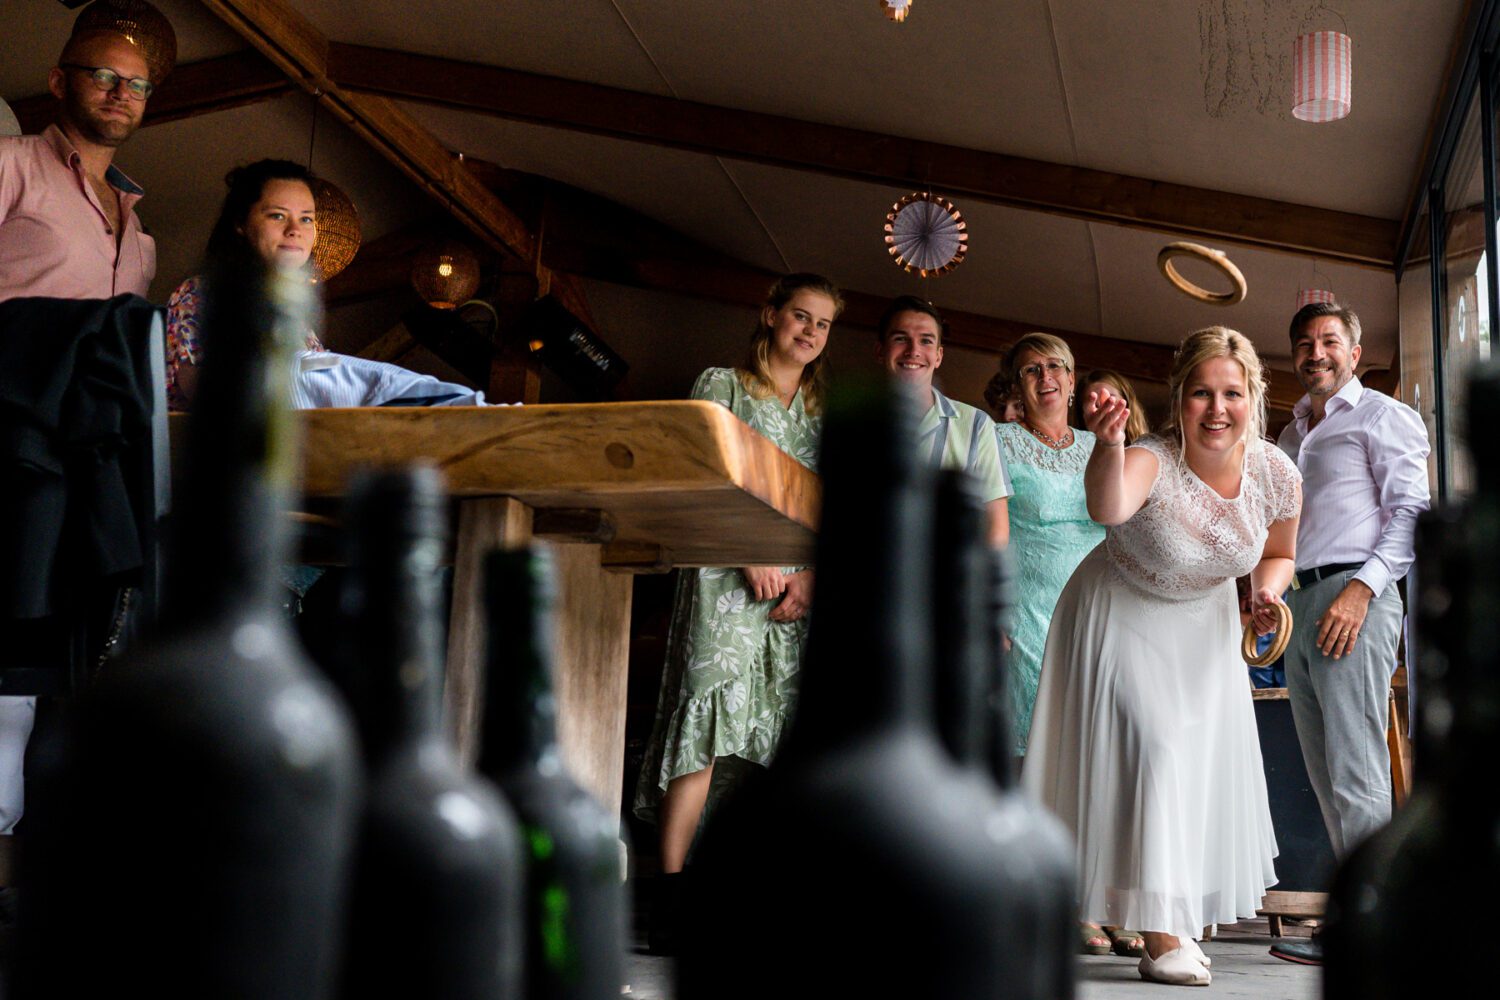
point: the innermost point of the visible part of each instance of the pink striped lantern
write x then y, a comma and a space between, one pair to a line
1308, 296
1322, 65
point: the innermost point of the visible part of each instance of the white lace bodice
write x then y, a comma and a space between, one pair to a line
1187, 539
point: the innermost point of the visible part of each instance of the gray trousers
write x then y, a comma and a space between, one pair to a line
1341, 711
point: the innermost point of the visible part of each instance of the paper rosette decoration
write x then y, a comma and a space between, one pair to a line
926, 234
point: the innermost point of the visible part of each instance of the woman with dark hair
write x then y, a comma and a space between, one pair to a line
270, 217
736, 638
269, 214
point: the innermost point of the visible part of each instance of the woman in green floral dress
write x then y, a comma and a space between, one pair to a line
737, 635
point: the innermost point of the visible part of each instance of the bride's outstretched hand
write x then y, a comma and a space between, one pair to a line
1263, 611
1106, 417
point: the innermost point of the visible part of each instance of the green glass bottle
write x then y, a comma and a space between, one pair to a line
575, 905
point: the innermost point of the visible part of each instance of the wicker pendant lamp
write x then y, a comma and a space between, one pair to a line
338, 230
445, 273
139, 23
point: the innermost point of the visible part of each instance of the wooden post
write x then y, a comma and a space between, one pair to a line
483, 524
592, 653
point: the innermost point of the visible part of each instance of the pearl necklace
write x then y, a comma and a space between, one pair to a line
1047, 439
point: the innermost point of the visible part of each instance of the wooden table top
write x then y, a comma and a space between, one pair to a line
685, 482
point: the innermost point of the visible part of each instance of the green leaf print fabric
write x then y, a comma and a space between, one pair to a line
1050, 533
730, 678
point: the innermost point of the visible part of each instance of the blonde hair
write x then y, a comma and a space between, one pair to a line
1206, 345
755, 373
1046, 344
1136, 426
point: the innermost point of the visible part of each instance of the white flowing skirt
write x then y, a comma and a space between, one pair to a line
1144, 744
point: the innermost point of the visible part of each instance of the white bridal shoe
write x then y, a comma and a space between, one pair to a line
1190, 948
1178, 967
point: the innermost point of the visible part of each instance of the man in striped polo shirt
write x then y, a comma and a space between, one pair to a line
952, 435
1363, 458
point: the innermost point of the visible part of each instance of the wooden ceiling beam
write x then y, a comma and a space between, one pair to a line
591, 237
300, 51
195, 88
1073, 192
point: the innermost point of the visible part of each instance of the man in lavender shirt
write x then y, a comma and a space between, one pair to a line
1363, 458
68, 230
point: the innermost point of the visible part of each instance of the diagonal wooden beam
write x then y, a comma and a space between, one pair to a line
1074, 192
300, 51
193, 89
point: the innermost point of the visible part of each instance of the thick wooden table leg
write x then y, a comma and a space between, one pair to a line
592, 655
483, 524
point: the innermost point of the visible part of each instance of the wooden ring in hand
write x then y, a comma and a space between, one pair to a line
1283, 636
1215, 257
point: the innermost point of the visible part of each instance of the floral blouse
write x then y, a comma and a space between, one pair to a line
184, 312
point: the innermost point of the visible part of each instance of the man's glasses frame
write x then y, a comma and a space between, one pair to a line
138, 87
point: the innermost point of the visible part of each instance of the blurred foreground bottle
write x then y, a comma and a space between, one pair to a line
1404, 897
863, 862
196, 841
575, 909
970, 610
435, 910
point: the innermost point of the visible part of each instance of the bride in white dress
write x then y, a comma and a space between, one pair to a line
1144, 739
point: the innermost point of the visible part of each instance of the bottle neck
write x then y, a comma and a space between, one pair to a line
393, 593
520, 711
999, 749
243, 450
960, 597
867, 668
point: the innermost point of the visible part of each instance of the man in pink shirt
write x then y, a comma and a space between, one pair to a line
68, 227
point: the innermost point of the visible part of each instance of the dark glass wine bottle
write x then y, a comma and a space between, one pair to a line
575, 907
1400, 897
435, 911
197, 843
863, 862
970, 609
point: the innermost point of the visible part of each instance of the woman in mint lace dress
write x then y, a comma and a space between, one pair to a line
1050, 527
737, 634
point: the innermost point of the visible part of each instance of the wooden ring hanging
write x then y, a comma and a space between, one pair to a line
1283, 636
1215, 257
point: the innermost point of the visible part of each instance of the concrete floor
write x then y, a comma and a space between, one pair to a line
1242, 968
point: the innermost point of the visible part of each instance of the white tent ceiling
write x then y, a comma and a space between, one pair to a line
1193, 92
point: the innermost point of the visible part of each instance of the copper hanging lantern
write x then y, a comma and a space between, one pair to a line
338, 230
445, 274
139, 23
926, 234
896, 10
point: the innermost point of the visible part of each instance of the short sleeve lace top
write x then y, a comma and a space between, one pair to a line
1186, 538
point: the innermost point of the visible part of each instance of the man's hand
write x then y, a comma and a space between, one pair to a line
1338, 628
766, 582
797, 600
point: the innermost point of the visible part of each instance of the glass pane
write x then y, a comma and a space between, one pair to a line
1414, 303
1466, 309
